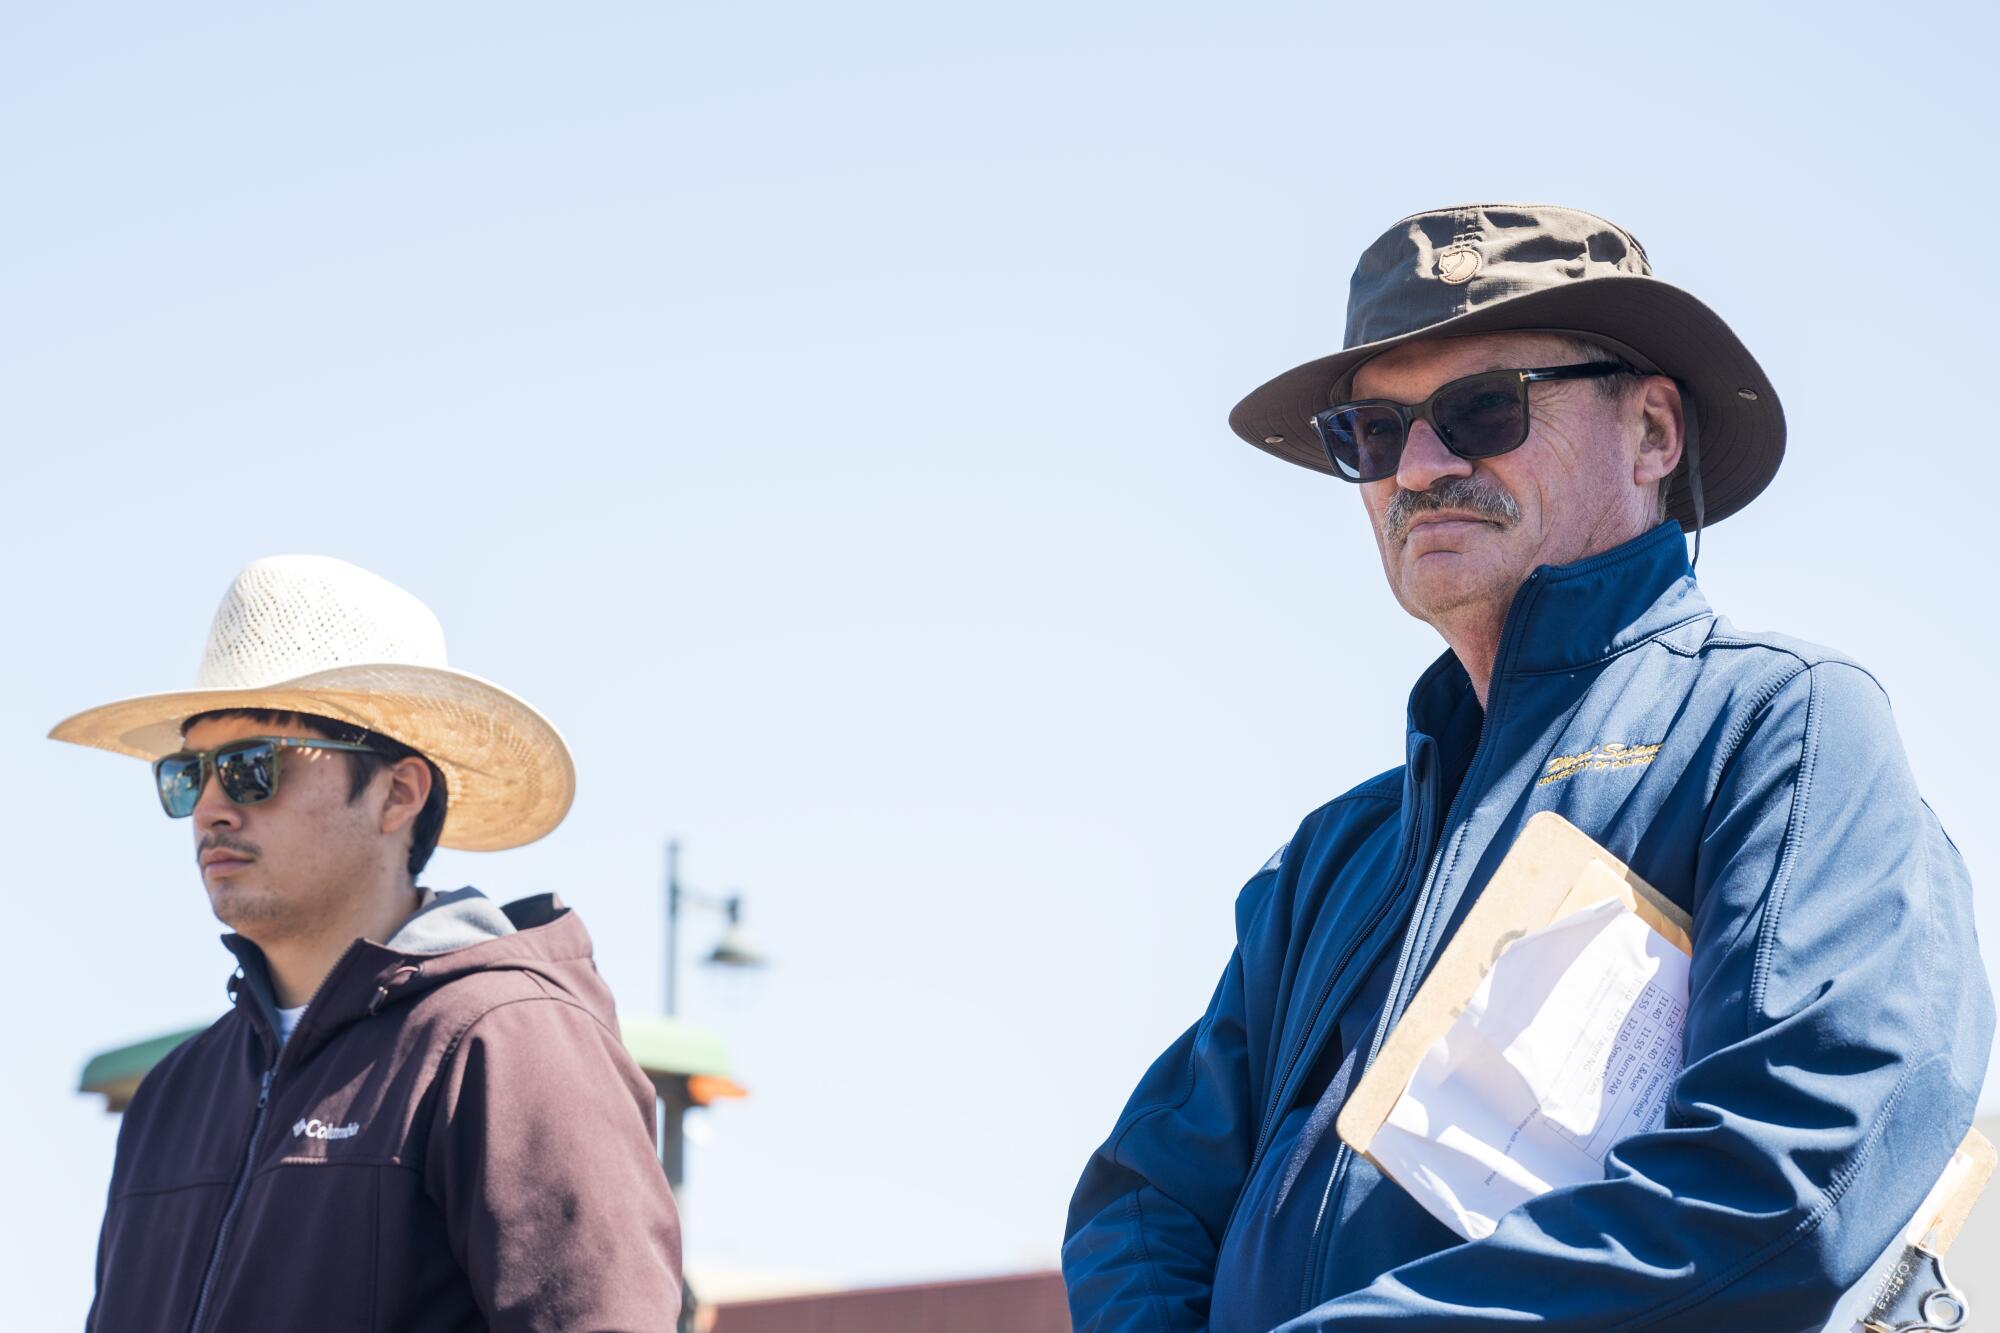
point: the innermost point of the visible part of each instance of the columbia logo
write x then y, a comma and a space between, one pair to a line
320, 1129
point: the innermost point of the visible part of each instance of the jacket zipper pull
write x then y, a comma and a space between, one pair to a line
264, 1091
391, 982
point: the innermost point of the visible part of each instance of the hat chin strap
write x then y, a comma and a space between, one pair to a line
1694, 491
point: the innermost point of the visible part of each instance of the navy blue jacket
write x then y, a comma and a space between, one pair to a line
1838, 1028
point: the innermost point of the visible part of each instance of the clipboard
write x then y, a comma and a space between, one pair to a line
1553, 869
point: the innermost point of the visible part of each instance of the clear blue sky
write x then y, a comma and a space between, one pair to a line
819, 412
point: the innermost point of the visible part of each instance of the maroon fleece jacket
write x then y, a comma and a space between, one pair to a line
451, 1140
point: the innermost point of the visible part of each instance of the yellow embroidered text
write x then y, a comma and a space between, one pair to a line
1612, 755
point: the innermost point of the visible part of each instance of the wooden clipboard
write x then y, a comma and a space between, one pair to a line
1552, 870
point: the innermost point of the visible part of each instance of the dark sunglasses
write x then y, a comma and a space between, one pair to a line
247, 770
1480, 416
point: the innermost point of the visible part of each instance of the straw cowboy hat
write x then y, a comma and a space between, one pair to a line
310, 634
1491, 268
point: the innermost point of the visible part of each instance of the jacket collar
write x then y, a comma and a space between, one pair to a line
466, 933
1568, 617
1577, 615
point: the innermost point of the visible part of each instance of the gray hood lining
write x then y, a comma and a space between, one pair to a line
451, 920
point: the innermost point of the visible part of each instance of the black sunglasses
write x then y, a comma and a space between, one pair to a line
247, 770
1480, 416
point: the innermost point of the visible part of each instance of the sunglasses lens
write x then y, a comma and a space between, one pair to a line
179, 779
248, 772
1364, 443
1483, 416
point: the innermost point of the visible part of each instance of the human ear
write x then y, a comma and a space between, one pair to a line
409, 788
1663, 431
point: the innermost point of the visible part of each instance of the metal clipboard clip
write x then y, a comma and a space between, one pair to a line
1915, 1296
1906, 1289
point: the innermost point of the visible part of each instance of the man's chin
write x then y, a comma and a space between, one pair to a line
1442, 580
243, 905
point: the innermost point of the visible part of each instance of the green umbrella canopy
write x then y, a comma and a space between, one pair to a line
665, 1048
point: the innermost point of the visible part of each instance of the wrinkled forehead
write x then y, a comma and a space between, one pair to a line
1410, 372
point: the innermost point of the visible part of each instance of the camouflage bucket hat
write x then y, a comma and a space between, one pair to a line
1493, 268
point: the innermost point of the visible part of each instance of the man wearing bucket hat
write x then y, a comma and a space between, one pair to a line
417, 1114
1531, 421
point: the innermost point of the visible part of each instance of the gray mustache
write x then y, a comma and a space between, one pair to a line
1457, 493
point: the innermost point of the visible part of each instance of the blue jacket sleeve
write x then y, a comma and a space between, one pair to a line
1838, 1028
1149, 1212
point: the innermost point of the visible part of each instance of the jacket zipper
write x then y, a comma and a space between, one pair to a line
1341, 1155
1327, 989
1316, 1249
235, 1201
1392, 1007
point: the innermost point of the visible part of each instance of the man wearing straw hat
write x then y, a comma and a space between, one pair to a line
417, 1114
1531, 421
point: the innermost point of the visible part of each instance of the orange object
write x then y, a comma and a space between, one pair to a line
704, 1089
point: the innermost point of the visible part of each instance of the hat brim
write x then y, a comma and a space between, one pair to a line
509, 774
1740, 425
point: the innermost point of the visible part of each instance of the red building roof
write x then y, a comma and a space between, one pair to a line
1018, 1303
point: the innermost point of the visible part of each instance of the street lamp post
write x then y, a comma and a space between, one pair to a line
673, 919
732, 950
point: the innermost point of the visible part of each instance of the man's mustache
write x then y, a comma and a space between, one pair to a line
1462, 494
223, 842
